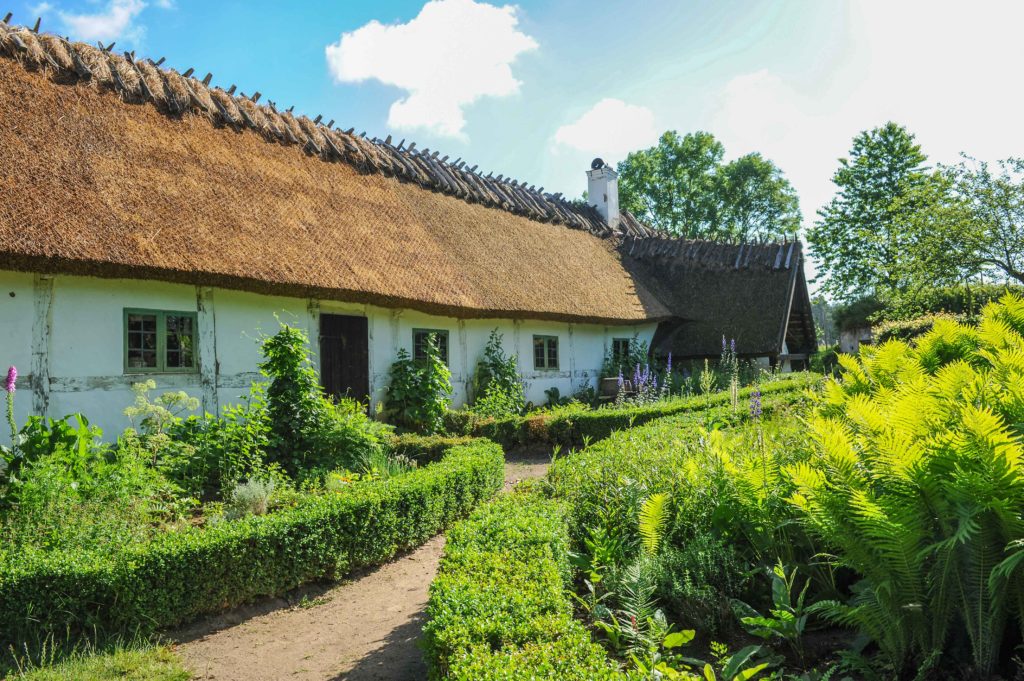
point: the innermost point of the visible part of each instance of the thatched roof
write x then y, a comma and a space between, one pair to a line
755, 293
113, 167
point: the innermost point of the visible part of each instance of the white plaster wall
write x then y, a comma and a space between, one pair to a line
86, 343
87, 346
15, 343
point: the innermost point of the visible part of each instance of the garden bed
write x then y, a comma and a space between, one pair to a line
181, 575
501, 607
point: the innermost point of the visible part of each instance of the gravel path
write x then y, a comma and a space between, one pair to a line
365, 628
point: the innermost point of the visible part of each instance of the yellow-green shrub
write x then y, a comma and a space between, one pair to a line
915, 482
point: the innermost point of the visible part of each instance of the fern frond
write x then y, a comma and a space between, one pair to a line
653, 519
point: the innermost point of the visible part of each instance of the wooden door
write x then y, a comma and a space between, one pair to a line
345, 356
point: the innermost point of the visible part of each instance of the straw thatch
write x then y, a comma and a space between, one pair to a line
94, 186
209, 187
755, 293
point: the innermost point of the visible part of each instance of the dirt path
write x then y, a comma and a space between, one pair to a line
366, 628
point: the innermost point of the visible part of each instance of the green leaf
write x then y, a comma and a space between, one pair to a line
678, 638
739, 659
747, 674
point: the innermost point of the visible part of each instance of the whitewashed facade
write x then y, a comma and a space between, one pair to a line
70, 332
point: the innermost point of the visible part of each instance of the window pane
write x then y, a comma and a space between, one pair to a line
419, 343
539, 358
620, 350
180, 342
142, 341
552, 353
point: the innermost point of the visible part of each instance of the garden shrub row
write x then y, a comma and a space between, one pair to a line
424, 449
182, 575
574, 427
500, 607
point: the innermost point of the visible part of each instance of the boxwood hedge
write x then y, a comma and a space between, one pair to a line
499, 607
182, 575
575, 427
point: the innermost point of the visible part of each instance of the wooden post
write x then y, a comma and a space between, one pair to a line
572, 362
209, 366
464, 364
42, 324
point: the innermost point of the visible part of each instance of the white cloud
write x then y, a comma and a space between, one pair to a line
115, 22
611, 128
452, 54
939, 67
41, 10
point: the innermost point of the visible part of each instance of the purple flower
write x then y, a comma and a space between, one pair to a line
755, 403
622, 381
12, 377
724, 346
732, 346
670, 362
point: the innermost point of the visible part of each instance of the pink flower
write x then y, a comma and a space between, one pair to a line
12, 377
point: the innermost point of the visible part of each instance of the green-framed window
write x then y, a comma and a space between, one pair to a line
419, 343
545, 352
620, 350
160, 341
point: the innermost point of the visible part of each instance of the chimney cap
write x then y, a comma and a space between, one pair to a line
597, 164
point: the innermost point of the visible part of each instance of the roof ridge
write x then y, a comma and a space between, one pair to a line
179, 93
775, 255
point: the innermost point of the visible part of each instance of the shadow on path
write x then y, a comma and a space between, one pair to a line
398, 659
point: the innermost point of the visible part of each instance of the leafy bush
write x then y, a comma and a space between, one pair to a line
158, 415
226, 449
180, 575
496, 384
309, 434
249, 498
730, 515
419, 391
916, 484
88, 495
909, 329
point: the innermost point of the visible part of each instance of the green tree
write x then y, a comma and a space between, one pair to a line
681, 186
879, 233
757, 201
989, 234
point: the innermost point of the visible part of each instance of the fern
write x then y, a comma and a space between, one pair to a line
653, 519
917, 483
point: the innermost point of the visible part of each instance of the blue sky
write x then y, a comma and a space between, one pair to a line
536, 89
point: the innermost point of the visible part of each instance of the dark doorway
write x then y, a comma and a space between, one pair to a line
345, 356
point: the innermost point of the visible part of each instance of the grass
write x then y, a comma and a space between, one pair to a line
128, 662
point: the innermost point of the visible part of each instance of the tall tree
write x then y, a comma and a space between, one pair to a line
873, 237
757, 201
681, 186
991, 237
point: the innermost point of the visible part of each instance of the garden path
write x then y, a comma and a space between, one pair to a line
367, 628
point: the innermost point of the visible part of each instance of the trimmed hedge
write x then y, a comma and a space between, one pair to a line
576, 427
182, 575
500, 607
424, 449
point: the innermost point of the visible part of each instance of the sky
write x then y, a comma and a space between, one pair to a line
535, 90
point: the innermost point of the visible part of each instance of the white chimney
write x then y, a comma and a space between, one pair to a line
603, 191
